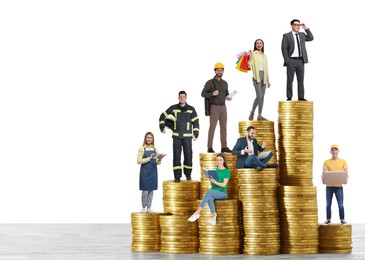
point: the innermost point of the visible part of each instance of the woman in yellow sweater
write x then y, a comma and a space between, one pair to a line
260, 77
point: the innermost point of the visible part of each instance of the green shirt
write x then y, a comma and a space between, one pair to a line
222, 174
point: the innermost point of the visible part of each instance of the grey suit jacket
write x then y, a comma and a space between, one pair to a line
287, 45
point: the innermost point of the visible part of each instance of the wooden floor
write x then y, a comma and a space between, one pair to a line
113, 241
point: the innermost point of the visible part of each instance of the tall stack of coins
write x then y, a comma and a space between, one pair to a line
297, 197
265, 131
179, 198
208, 161
146, 232
178, 235
224, 238
295, 141
298, 219
335, 238
257, 191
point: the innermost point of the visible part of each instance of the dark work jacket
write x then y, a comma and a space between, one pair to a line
187, 121
209, 88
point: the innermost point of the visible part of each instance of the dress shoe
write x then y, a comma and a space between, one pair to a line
289, 99
302, 99
188, 178
210, 150
226, 150
273, 165
177, 180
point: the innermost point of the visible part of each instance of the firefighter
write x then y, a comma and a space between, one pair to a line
183, 120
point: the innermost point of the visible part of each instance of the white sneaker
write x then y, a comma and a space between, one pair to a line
194, 217
149, 210
213, 221
144, 210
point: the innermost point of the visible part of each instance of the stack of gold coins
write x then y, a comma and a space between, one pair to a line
179, 198
258, 193
224, 238
335, 238
208, 161
146, 232
295, 142
298, 219
265, 131
178, 235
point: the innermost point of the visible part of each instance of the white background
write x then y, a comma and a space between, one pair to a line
83, 81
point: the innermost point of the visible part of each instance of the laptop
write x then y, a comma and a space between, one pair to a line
334, 177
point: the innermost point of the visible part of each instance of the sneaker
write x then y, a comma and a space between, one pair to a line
259, 168
226, 150
343, 222
149, 210
194, 217
210, 150
213, 221
144, 210
327, 221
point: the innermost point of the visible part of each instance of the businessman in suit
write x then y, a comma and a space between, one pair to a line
247, 150
295, 56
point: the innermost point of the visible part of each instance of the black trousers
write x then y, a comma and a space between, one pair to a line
295, 67
185, 145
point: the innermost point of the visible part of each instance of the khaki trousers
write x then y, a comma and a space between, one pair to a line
218, 113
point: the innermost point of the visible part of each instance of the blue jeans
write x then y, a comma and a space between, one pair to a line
338, 191
209, 198
252, 161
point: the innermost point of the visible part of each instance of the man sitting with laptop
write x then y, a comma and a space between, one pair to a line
247, 150
334, 176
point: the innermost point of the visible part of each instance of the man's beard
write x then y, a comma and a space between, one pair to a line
219, 75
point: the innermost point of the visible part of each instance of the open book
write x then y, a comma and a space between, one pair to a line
211, 173
263, 155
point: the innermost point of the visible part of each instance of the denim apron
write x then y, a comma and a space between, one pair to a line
148, 173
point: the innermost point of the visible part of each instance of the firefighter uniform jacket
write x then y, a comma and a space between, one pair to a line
186, 121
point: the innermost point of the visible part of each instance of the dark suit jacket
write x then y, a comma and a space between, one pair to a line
287, 45
241, 145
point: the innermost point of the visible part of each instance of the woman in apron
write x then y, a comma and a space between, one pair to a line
148, 174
